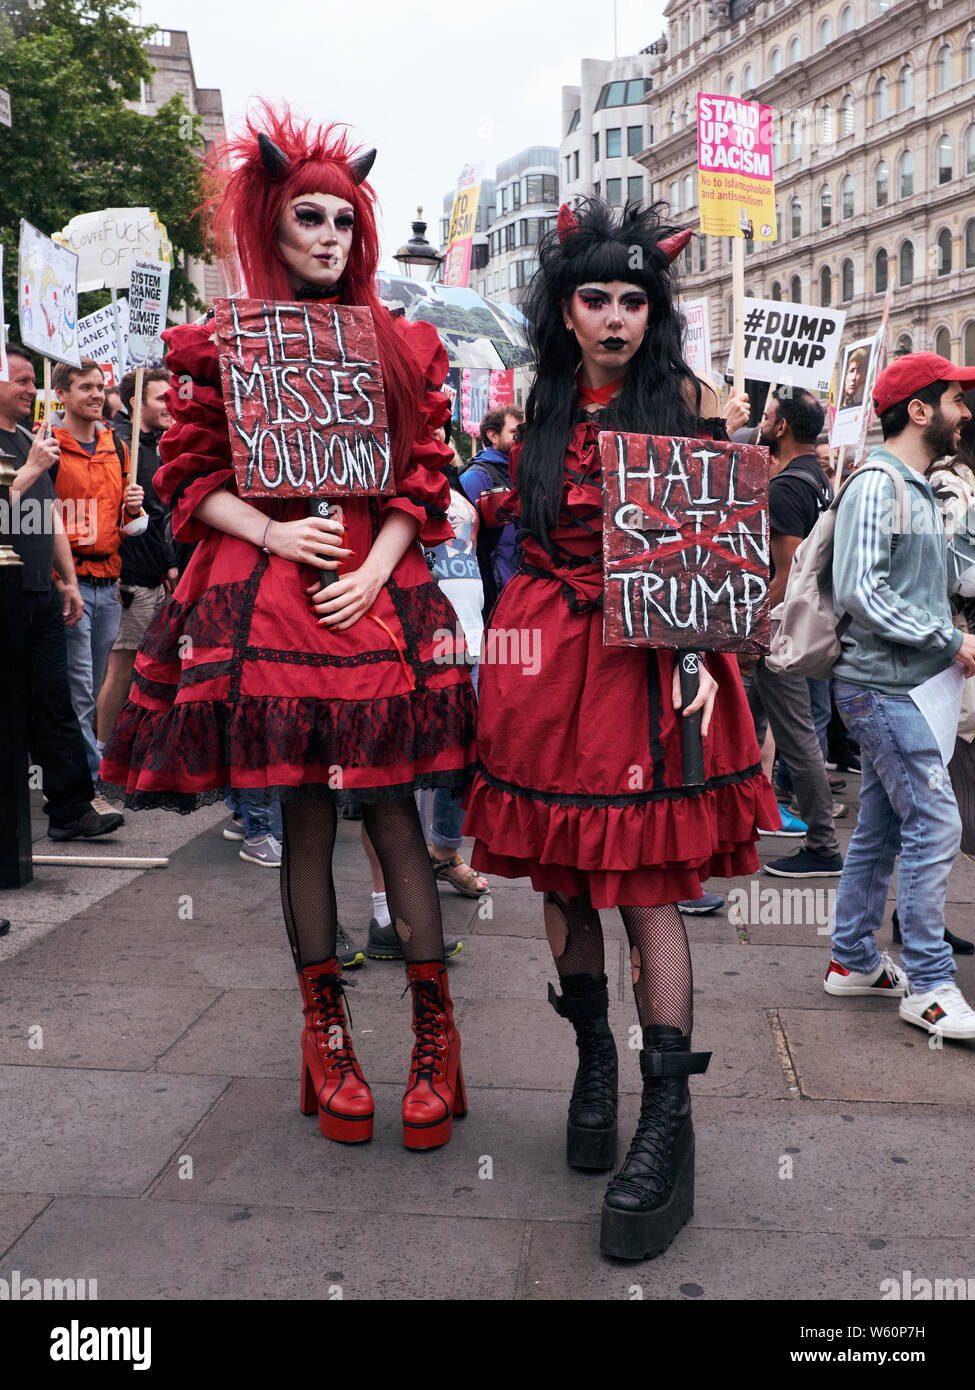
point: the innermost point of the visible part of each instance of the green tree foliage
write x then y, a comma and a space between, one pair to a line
70, 66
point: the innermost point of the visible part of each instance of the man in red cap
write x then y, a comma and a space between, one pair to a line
892, 573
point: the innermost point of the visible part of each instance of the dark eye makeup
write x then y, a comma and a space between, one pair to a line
311, 216
596, 299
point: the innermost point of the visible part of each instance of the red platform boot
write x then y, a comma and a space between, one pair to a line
331, 1081
435, 1091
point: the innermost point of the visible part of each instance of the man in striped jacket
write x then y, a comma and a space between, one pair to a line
892, 574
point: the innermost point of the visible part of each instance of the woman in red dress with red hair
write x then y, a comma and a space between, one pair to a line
256, 677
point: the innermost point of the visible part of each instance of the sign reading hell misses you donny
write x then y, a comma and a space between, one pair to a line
685, 543
303, 391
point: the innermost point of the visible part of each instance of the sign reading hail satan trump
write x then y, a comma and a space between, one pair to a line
303, 392
685, 543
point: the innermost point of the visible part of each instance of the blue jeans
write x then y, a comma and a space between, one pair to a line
907, 806
258, 820
89, 643
446, 828
821, 707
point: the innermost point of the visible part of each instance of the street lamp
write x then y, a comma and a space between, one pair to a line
419, 260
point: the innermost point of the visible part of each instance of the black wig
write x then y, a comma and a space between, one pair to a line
658, 382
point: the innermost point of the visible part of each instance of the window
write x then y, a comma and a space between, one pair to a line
907, 174
969, 345
905, 344
688, 114
516, 194
881, 184
688, 258
731, 86
825, 287
613, 94
970, 244
880, 7
880, 272
702, 253
906, 98
634, 139
847, 193
637, 88
568, 170
674, 197
945, 157
970, 56
795, 50
509, 236
825, 205
970, 150
575, 164
795, 290
905, 264
775, 62
614, 192
689, 199
595, 147
826, 33
944, 67
944, 252
880, 106
942, 343
595, 188
826, 125
614, 143
775, 292
574, 123
846, 115
541, 188
673, 122
634, 188
748, 78
796, 218
750, 246
846, 281
731, 315
795, 140
846, 19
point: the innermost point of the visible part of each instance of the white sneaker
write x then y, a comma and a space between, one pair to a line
265, 851
942, 1010
888, 979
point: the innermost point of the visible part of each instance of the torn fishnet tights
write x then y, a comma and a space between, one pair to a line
308, 889
660, 957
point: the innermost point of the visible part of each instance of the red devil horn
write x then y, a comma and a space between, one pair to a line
274, 159
672, 246
567, 222
361, 165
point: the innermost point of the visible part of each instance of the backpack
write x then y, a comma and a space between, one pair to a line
807, 639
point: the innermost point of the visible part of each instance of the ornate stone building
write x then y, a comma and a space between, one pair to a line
874, 165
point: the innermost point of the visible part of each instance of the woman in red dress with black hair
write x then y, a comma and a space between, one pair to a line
254, 676
579, 780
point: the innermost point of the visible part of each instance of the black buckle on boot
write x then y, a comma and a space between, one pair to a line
579, 1006
655, 1064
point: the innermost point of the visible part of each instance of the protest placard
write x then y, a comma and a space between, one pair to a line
6, 115
47, 289
736, 189
501, 391
148, 297
852, 399
697, 335
108, 241
460, 234
303, 392
792, 344
97, 338
475, 388
685, 543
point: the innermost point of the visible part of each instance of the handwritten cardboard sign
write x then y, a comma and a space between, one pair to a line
303, 391
47, 288
685, 543
108, 241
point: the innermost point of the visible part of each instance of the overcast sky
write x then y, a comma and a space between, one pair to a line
432, 84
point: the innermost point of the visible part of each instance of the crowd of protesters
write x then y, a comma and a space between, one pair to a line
101, 560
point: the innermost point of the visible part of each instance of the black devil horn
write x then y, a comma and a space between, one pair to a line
361, 165
275, 161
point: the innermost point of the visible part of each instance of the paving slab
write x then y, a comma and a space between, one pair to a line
172, 1250
856, 1055
95, 1132
17, 1211
49, 1024
772, 977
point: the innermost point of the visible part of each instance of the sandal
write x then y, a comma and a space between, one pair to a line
461, 877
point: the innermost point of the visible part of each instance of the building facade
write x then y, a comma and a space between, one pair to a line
606, 126
169, 52
874, 158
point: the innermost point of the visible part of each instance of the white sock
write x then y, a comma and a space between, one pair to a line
380, 910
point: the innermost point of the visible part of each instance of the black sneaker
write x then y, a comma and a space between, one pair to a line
349, 955
804, 864
86, 827
848, 762
384, 944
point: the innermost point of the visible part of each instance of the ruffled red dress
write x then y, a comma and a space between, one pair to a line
236, 686
579, 780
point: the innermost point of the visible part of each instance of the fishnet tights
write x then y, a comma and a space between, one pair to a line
659, 954
308, 889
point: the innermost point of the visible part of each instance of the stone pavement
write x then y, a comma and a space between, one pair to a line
153, 1142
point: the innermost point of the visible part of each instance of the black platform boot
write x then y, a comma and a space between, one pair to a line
591, 1130
652, 1196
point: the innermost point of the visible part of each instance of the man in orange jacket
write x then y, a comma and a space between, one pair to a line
98, 509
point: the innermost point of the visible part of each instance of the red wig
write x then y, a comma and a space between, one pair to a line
247, 202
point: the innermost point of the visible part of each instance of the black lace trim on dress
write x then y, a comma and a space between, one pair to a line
653, 712
156, 690
586, 799
244, 621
